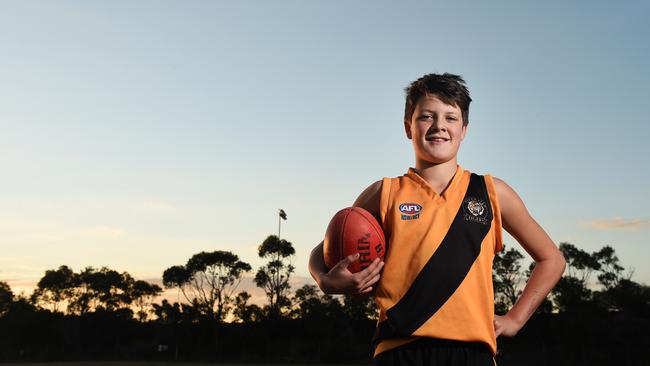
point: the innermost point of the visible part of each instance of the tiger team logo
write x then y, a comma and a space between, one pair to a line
410, 211
475, 210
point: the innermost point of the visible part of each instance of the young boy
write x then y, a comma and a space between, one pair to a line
443, 228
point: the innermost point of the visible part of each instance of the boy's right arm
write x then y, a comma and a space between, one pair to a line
339, 280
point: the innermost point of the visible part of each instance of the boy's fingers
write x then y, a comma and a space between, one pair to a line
371, 281
372, 274
370, 269
345, 262
366, 290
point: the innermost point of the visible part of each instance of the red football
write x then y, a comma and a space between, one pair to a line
353, 230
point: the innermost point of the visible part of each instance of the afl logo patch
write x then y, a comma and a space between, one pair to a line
475, 210
410, 211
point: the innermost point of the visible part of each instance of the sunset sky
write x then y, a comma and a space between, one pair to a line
135, 134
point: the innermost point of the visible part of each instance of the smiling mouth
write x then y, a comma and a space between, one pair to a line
436, 139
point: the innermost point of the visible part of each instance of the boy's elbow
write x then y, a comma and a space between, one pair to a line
555, 263
316, 265
311, 265
561, 262
314, 256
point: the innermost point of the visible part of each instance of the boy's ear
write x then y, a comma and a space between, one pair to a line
464, 132
407, 128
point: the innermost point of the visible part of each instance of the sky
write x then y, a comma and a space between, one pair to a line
134, 134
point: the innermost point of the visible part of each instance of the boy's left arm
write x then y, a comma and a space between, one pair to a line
550, 262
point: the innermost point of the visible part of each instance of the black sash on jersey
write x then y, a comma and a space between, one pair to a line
447, 267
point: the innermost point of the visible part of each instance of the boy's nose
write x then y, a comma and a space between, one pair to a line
436, 126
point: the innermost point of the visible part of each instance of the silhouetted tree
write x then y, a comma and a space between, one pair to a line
580, 264
245, 312
610, 268
82, 301
309, 303
143, 294
177, 277
22, 305
212, 278
172, 315
167, 313
610, 276
360, 308
273, 278
6, 297
113, 288
630, 297
194, 312
571, 292
619, 292
507, 277
104, 288
55, 287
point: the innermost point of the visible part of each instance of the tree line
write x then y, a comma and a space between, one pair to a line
208, 282
614, 290
114, 316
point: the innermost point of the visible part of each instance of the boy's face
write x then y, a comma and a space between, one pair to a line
436, 129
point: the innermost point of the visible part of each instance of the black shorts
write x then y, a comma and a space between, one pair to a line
437, 352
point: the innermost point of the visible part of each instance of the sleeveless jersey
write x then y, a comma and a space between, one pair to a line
437, 277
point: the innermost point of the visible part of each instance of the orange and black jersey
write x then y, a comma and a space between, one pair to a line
437, 277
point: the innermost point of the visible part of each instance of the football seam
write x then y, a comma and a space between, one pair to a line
382, 235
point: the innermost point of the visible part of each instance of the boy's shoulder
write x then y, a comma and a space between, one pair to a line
513, 210
503, 190
370, 199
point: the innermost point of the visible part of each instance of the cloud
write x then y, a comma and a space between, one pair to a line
100, 232
618, 223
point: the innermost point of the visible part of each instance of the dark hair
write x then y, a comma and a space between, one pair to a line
449, 88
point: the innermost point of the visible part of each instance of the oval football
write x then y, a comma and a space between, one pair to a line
353, 230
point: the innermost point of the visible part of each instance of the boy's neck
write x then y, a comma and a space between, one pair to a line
437, 175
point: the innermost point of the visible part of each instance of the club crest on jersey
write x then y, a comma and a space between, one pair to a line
475, 210
410, 211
